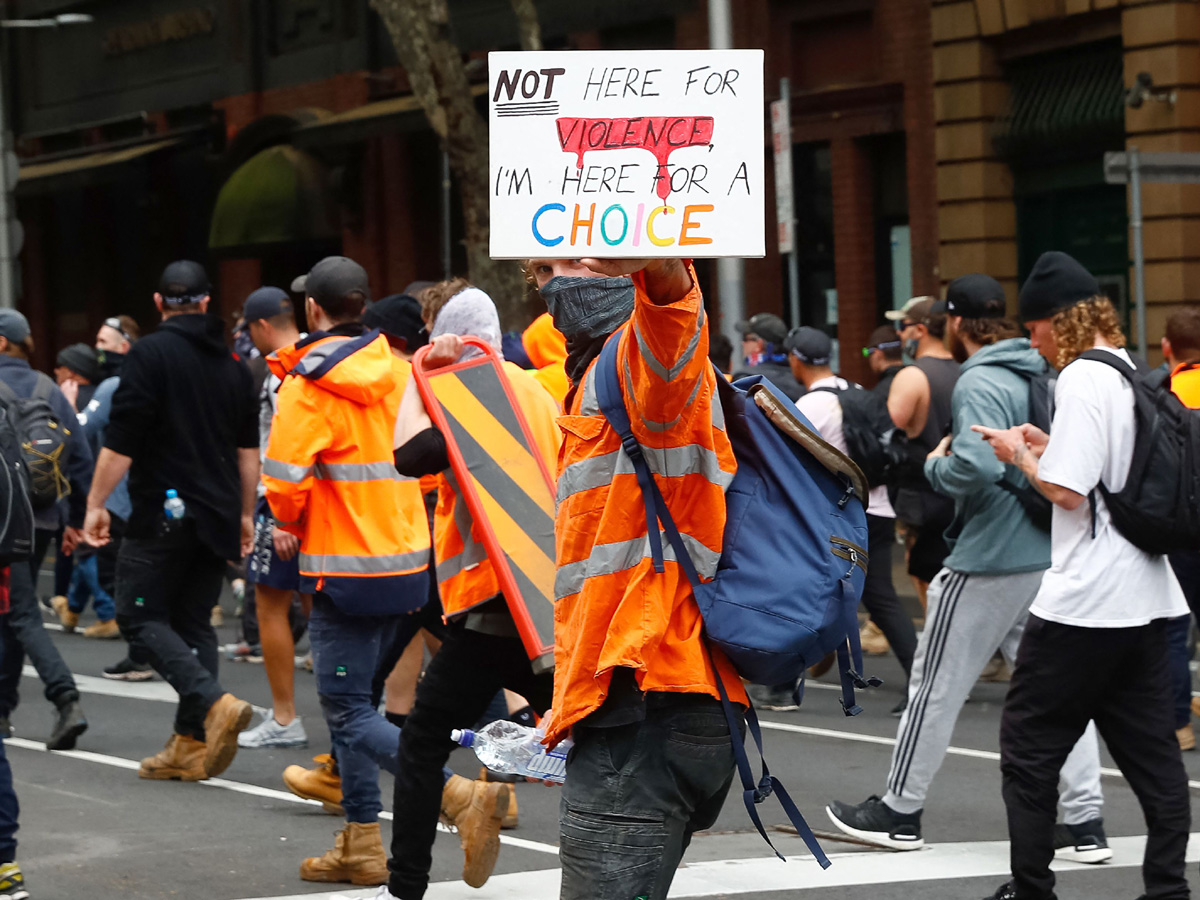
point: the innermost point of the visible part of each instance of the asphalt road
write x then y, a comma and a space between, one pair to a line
91, 829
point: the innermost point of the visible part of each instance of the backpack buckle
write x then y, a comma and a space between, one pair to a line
764, 789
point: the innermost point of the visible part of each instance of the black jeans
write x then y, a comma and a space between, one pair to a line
460, 682
1065, 677
879, 592
22, 634
635, 794
166, 589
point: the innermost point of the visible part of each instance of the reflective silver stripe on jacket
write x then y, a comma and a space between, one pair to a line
282, 471
375, 471
668, 373
651, 424
588, 404
668, 462
609, 559
339, 564
319, 354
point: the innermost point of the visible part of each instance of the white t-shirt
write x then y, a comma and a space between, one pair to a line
1105, 581
824, 410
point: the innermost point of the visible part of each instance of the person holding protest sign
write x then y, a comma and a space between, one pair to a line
634, 682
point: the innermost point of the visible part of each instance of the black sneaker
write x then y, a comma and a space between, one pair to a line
6, 729
69, 726
777, 698
1084, 843
1006, 891
128, 670
875, 821
899, 708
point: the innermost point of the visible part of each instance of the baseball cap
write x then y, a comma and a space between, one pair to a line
299, 283
809, 345
398, 316
974, 296
266, 303
882, 338
767, 326
13, 325
905, 312
334, 278
184, 281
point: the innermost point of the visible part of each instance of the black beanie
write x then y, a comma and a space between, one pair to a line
80, 359
1057, 282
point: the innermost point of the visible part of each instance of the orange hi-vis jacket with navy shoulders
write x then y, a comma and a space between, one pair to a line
464, 571
612, 609
330, 477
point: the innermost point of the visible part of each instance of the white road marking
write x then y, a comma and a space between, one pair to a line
158, 691
241, 787
989, 755
162, 692
731, 877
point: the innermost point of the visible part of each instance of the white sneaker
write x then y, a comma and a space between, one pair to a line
269, 733
383, 894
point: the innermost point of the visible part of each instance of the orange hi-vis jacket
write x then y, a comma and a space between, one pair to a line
1185, 383
464, 572
330, 477
612, 609
547, 350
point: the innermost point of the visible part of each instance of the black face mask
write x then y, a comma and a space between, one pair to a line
584, 308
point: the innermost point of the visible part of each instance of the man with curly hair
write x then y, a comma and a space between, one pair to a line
1095, 648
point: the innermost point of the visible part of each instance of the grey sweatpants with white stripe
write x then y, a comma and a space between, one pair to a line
968, 618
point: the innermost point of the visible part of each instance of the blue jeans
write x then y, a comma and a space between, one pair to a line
85, 583
346, 651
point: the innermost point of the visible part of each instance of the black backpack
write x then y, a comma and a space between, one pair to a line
1158, 510
16, 512
1041, 412
43, 440
872, 439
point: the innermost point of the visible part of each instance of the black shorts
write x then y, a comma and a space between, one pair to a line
264, 566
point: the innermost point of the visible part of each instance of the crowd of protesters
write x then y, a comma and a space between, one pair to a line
307, 457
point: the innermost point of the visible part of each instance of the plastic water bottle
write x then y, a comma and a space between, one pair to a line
514, 749
174, 508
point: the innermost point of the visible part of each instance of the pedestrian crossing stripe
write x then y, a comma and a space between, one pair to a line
504, 482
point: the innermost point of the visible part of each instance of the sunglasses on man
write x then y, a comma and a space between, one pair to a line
886, 345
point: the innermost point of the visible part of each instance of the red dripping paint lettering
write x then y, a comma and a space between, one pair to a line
661, 135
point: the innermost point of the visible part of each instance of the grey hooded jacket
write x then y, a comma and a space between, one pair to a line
994, 535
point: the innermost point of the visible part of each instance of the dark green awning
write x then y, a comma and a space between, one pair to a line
1063, 105
280, 195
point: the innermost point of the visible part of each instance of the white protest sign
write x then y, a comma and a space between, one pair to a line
627, 153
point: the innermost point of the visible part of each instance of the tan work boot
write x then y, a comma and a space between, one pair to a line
1186, 737
357, 857
475, 809
321, 783
103, 630
181, 760
510, 816
61, 609
872, 640
226, 718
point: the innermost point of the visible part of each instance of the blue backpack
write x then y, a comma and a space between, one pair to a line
793, 562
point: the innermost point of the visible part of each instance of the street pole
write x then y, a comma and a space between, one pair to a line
731, 279
7, 291
785, 97
1139, 253
447, 250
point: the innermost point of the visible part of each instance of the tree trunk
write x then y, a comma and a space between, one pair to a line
528, 26
420, 31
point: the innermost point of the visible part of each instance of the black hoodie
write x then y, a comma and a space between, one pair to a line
184, 407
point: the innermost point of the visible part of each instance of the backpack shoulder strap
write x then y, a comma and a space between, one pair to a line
611, 400
7, 394
44, 388
1111, 360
